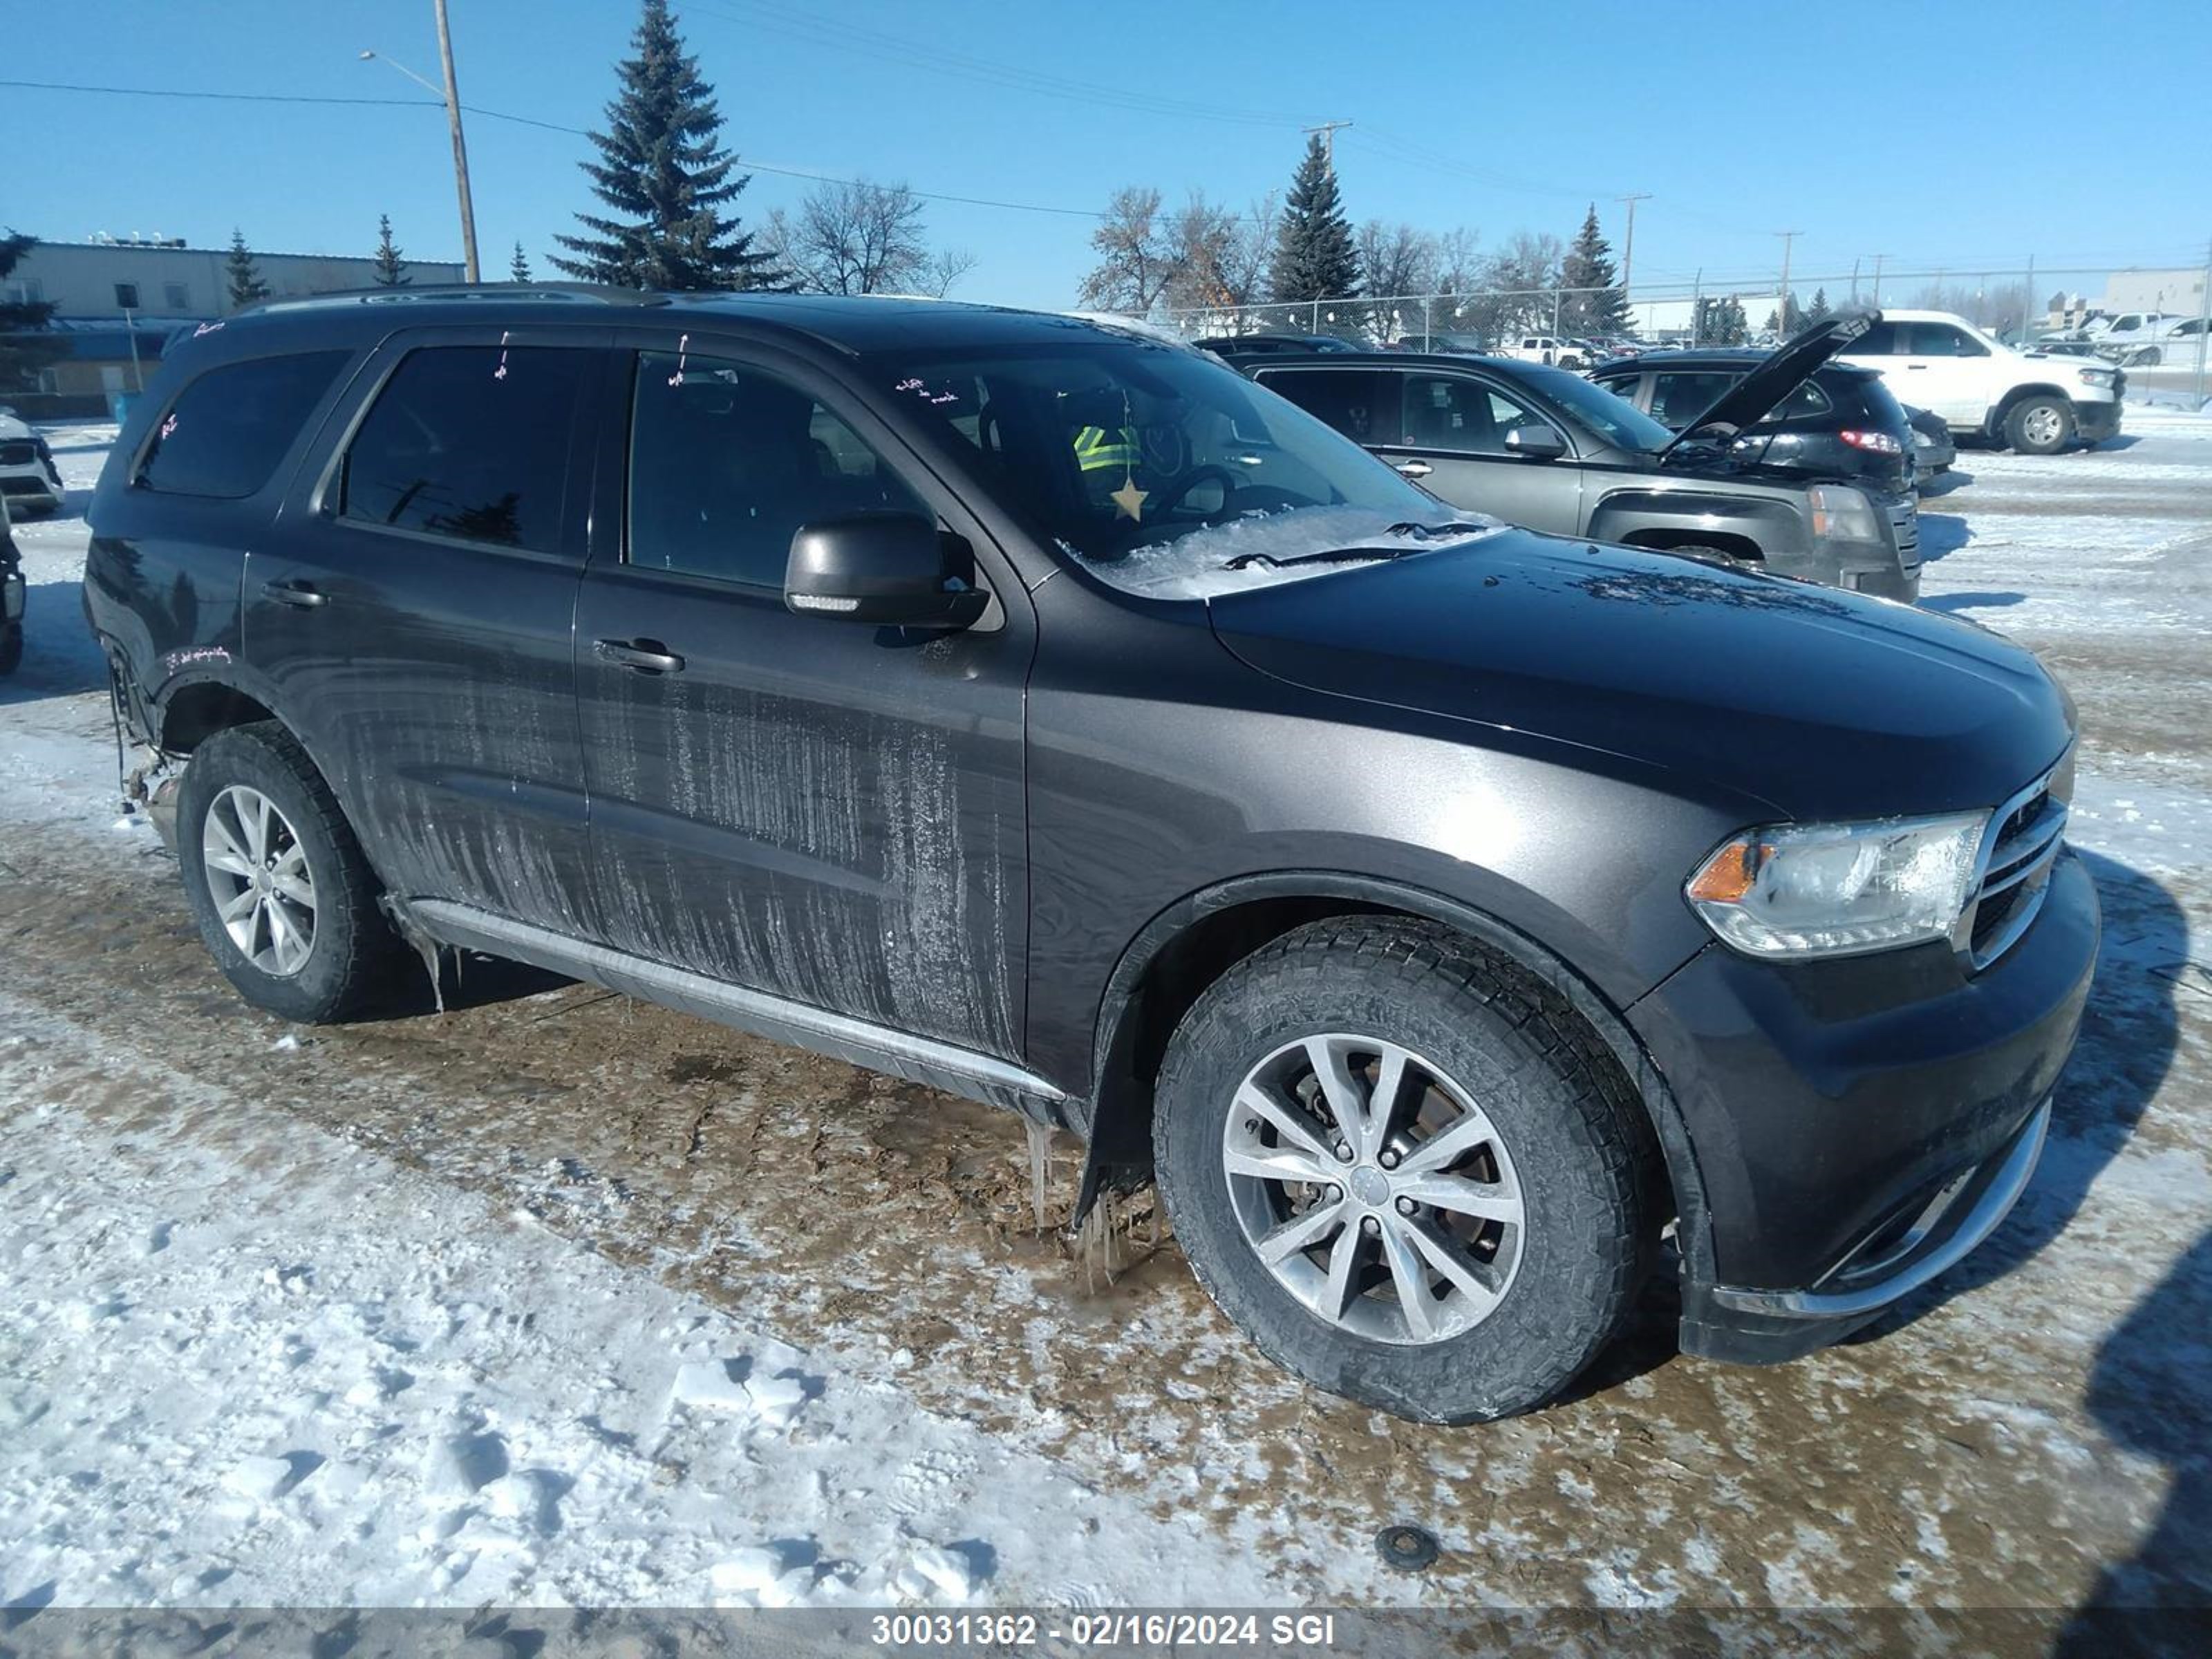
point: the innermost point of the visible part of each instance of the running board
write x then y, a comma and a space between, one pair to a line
858, 1042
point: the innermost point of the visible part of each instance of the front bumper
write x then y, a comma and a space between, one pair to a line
1859, 1126
2094, 422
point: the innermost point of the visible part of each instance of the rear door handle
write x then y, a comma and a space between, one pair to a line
647, 656
1414, 469
293, 593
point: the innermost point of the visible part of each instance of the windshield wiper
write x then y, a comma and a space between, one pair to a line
1412, 532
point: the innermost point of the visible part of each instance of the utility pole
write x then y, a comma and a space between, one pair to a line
1878, 259
460, 147
1697, 304
1628, 241
1854, 280
2204, 322
1782, 305
1327, 129
450, 95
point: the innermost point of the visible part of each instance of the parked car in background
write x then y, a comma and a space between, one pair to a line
1468, 345
12, 593
28, 478
2060, 345
1260, 345
1839, 422
1541, 348
2148, 340
1938, 361
1539, 447
1441, 914
1933, 449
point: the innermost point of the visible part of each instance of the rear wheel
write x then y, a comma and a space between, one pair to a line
2039, 426
284, 901
1394, 1160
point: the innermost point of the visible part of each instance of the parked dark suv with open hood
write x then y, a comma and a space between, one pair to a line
1541, 448
1839, 422
1441, 914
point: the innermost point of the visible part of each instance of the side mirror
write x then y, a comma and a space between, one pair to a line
1535, 443
895, 569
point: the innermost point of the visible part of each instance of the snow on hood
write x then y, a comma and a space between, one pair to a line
1194, 566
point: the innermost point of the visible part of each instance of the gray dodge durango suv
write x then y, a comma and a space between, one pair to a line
1443, 915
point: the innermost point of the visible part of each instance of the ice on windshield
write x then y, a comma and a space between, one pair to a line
1197, 566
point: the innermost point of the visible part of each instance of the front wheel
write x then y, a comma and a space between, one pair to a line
2039, 426
1395, 1161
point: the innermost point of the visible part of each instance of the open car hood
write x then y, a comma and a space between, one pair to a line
1788, 367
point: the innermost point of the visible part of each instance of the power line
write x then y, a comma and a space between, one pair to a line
816, 174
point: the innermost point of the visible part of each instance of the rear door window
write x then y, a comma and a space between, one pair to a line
225, 432
470, 443
1880, 341
1944, 340
1358, 403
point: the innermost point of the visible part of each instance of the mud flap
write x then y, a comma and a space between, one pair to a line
418, 939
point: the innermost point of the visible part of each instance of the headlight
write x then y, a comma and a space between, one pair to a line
1842, 514
1840, 888
2098, 377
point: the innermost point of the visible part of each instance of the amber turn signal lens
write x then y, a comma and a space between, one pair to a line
1728, 874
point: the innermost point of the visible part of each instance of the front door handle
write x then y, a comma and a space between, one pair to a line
1414, 469
646, 656
293, 593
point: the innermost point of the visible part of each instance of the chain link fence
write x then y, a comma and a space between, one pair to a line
2029, 307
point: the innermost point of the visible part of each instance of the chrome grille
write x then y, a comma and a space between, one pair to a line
2019, 851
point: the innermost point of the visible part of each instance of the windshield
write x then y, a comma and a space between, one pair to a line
1143, 460
1611, 416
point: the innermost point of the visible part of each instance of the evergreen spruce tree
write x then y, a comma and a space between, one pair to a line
1602, 308
241, 276
1820, 312
663, 172
519, 271
391, 268
22, 353
1315, 258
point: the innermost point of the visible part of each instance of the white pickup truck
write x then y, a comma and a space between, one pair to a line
1936, 360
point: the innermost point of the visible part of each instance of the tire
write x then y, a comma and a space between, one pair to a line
2039, 426
11, 647
350, 946
1556, 1130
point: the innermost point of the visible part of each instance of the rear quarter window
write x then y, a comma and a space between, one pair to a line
226, 431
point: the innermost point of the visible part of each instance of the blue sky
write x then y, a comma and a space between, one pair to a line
1964, 138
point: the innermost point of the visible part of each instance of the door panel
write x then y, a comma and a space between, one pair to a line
825, 811
413, 616
1455, 425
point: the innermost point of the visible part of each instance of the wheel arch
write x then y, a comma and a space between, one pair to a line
1192, 942
1736, 547
2014, 395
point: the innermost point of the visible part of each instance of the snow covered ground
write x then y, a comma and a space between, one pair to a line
557, 1299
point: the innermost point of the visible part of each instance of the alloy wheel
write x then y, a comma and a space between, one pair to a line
1374, 1188
2043, 426
258, 876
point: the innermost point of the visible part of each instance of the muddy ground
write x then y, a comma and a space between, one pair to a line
2030, 1432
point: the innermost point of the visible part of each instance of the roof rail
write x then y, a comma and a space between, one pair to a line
587, 293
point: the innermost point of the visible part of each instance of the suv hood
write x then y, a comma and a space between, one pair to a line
1788, 367
1822, 704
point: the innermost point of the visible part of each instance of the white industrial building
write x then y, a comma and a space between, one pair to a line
156, 277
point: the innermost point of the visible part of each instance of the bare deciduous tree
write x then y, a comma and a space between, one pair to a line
1396, 260
1137, 257
857, 238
